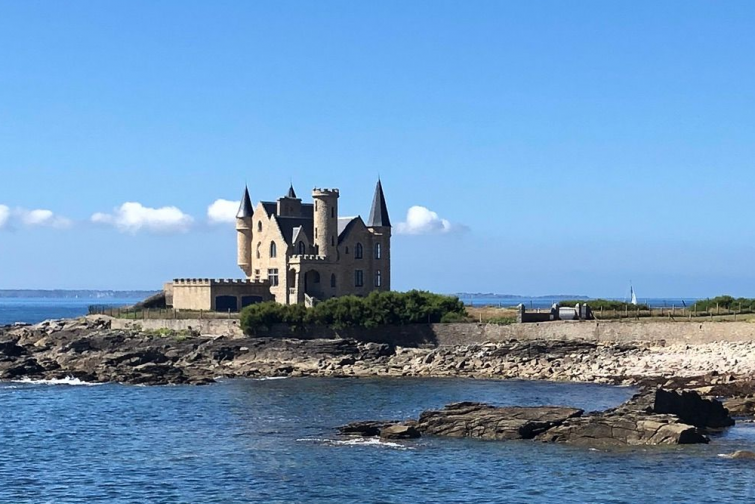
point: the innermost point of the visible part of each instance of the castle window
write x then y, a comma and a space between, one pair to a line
315, 277
259, 245
315, 232
302, 249
259, 226
378, 251
332, 241
358, 251
256, 275
378, 279
333, 212
272, 275
333, 280
347, 250
358, 278
273, 249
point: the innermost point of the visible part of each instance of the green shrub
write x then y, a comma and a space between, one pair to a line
376, 310
724, 303
502, 320
451, 317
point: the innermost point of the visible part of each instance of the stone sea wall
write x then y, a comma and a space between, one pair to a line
430, 335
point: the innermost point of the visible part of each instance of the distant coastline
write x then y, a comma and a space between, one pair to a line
73, 294
481, 295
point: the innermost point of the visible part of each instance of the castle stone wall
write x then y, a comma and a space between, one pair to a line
656, 332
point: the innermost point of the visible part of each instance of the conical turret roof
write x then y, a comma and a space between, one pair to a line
291, 192
379, 211
245, 208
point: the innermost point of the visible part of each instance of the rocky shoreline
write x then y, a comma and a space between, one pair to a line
88, 349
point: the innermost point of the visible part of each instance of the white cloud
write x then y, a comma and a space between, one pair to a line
422, 220
222, 211
4, 216
31, 218
42, 218
132, 217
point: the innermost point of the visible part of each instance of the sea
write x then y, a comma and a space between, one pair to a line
33, 310
275, 441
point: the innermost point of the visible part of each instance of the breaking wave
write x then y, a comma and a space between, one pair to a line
68, 380
357, 441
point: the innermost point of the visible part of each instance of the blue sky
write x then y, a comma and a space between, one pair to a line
566, 147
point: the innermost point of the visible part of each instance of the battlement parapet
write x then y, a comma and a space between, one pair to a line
308, 258
325, 192
206, 282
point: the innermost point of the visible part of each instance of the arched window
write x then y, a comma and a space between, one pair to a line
347, 250
333, 280
259, 246
302, 249
273, 249
378, 279
259, 226
315, 277
358, 251
378, 251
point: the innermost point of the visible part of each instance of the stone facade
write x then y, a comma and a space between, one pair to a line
217, 295
308, 252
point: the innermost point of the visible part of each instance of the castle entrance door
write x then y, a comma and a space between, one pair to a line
312, 284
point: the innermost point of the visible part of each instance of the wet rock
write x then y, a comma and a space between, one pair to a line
741, 406
478, 420
624, 429
740, 454
366, 428
399, 431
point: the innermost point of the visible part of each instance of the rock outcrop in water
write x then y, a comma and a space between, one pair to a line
659, 417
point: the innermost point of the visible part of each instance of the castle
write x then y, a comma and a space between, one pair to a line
294, 252
308, 252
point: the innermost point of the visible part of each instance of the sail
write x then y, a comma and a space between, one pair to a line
634, 296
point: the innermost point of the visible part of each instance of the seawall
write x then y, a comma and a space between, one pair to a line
430, 335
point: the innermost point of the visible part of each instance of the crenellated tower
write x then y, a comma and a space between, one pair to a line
326, 222
244, 233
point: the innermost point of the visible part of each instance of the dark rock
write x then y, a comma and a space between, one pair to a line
399, 431
478, 420
368, 428
687, 405
11, 349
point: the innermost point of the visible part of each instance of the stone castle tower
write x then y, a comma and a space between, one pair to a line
307, 252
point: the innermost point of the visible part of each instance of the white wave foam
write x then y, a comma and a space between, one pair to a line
357, 441
265, 378
68, 380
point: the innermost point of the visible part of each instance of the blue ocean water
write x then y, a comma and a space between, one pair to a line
274, 441
33, 310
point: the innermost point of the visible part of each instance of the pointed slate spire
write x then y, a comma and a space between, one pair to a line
245, 208
379, 212
291, 192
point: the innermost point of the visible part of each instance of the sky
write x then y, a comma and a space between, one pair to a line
534, 148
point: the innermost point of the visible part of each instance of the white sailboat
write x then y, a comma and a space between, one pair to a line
633, 295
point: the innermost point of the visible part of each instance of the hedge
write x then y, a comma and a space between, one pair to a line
375, 310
